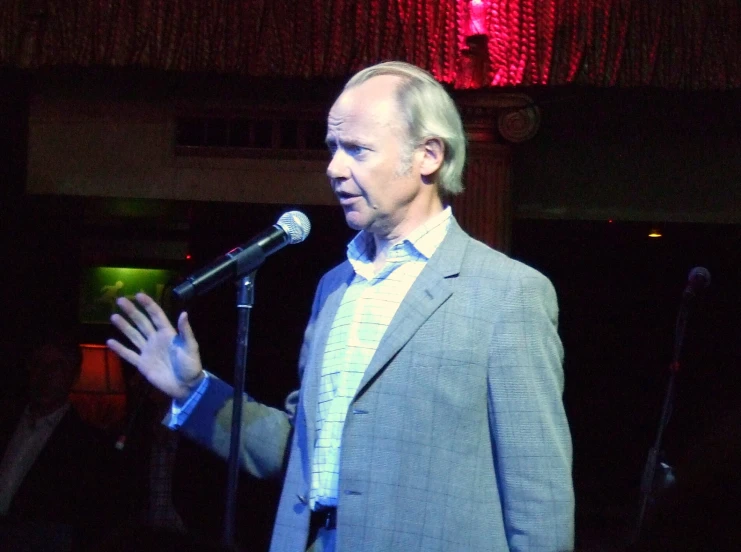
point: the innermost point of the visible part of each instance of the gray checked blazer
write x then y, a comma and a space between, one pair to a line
457, 438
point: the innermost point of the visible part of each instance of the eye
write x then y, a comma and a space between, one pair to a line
351, 149
354, 149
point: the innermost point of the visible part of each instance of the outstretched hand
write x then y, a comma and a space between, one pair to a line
167, 358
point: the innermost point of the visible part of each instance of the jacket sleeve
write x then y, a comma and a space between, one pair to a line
529, 429
265, 431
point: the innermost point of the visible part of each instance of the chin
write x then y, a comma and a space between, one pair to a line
355, 221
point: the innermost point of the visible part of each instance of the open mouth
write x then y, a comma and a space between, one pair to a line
345, 196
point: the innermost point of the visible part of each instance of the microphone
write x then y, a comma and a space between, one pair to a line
698, 280
292, 227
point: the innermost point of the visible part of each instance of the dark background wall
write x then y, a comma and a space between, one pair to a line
640, 154
619, 291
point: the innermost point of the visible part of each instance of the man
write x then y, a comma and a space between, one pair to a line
429, 415
51, 464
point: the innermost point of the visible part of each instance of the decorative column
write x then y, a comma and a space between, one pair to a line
34, 17
493, 122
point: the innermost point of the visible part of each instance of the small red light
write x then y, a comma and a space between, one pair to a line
187, 257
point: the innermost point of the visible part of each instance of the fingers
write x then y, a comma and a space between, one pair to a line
127, 354
156, 314
135, 315
133, 335
140, 327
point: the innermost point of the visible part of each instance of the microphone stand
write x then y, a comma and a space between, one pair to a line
245, 300
651, 480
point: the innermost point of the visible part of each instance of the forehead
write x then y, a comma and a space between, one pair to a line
369, 106
51, 358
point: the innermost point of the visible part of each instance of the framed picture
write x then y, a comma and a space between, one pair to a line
100, 287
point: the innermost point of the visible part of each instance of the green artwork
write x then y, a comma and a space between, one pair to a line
101, 286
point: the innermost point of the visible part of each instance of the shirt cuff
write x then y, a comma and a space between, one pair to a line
180, 410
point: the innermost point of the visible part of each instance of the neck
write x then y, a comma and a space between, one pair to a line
413, 219
384, 242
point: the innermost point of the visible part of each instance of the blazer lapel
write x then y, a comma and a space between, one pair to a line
429, 291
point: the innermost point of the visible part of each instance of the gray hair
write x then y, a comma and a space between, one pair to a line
429, 112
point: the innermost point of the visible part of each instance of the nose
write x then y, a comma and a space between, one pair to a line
338, 168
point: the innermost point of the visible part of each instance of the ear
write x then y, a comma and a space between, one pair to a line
433, 151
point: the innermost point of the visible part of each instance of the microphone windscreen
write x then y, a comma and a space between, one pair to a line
699, 277
296, 225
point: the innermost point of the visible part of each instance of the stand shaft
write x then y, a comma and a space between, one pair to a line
245, 300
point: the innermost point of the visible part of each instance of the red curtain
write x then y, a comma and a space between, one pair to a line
682, 44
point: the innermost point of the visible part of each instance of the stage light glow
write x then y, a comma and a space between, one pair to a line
477, 17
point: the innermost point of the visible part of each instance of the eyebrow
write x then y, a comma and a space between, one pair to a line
354, 140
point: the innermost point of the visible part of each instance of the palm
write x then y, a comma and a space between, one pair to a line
165, 363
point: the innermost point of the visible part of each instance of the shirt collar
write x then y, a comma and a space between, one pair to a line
425, 239
50, 419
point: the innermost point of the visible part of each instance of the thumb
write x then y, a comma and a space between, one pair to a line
186, 331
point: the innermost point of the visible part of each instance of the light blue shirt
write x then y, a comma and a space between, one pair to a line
367, 308
180, 410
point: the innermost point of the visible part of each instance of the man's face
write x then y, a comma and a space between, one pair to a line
51, 376
374, 171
